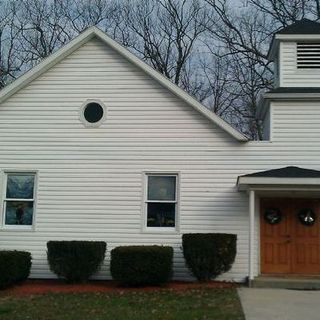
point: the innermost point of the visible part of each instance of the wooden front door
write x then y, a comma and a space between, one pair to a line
290, 246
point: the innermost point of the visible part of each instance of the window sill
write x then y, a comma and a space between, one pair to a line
17, 228
157, 230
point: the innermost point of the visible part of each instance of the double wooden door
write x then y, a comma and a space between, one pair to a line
290, 246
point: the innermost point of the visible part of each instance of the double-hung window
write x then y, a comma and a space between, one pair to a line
19, 198
161, 201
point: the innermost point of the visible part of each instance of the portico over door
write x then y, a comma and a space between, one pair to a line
290, 247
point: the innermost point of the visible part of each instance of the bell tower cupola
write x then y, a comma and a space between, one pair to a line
295, 51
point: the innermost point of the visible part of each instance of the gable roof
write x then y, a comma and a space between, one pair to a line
93, 32
300, 30
288, 176
303, 26
286, 172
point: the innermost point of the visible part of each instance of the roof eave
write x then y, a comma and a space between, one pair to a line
272, 53
291, 96
172, 87
297, 37
45, 65
246, 183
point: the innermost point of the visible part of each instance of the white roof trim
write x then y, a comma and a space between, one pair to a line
92, 32
245, 183
278, 37
291, 95
297, 37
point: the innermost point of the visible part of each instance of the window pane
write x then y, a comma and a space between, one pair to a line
161, 214
19, 213
161, 188
20, 186
93, 112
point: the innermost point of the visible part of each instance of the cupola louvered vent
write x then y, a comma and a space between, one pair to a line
308, 55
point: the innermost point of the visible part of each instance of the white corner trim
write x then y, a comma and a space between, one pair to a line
92, 32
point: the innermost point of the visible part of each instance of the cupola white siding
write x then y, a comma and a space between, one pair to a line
297, 122
290, 75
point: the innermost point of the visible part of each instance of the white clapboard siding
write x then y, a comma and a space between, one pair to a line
290, 74
90, 179
302, 126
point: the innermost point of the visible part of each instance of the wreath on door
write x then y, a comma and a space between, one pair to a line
273, 215
307, 217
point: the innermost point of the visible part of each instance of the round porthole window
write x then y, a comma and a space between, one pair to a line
92, 113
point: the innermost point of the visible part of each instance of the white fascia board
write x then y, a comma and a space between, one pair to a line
292, 96
287, 38
45, 65
171, 86
92, 32
245, 183
297, 37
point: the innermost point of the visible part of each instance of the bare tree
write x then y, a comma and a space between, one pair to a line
285, 12
214, 49
42, 27
244, 32
11, 62
81, 14
163, 32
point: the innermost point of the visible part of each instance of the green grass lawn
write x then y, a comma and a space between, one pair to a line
220, 304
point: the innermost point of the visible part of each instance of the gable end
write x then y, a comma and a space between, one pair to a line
92, 32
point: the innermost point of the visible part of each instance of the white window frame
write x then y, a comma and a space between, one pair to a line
4, 199
165, 230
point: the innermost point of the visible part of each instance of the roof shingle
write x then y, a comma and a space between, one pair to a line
286, 172
303, 26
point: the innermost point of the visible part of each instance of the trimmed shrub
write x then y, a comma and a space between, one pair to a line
14, 267
141, 265
209, 254
75, 261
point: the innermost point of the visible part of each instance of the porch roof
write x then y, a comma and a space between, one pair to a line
287, 176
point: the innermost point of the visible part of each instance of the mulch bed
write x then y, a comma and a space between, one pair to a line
55, 286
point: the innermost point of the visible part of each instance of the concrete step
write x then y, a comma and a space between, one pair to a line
298, 283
